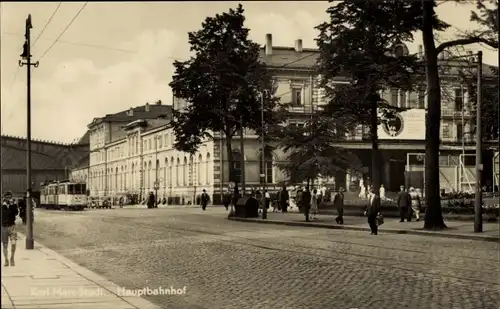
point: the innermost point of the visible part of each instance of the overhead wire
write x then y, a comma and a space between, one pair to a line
64, 31
46, 24
38, 37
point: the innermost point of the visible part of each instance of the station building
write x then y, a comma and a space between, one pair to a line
131, 152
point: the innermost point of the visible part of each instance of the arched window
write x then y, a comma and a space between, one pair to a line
268, 170
132, 173
171, 171
236, 177
122, 179
116, 179
149, 175
200, 169
144, 175
165, 176
157, 171
125, 177
185, 172
208, 166
177, 173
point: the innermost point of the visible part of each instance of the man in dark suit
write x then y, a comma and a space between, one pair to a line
372, 210
338, 203
404, 204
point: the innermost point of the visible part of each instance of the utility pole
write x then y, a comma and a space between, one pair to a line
26, 55
263, 153
478, 209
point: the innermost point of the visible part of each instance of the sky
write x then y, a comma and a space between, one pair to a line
116, 55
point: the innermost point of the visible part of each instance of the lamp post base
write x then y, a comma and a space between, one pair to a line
30, 244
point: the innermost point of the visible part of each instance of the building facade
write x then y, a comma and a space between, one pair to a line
49, 161
132, 152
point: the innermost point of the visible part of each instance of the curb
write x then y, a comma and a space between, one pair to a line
359, 228
135, 301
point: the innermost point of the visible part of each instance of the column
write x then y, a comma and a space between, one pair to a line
407, 99
387, 175
400, 98
426, 98
348, 181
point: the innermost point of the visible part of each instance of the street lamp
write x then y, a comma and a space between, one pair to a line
263, 152
26, 56
478, 207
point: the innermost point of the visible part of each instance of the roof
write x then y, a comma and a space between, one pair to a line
14, 158
83, 163
44, 155
288, 57
139, 112
85, 139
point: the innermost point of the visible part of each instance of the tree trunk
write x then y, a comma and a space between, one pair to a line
374, 140
433, 213
242, 163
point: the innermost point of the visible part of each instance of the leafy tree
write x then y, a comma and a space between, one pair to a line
223, 83
311, 152
429, 24
358, 42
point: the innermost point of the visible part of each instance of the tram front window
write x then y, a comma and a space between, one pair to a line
76, 189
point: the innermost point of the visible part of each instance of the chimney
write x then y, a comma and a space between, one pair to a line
420, 52
131, 112
146, 107
298, 45
269, 44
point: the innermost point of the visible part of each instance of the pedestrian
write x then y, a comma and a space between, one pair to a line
235, 197
415, 204
151, 200
298, 198
372, 211
306, 202
404, 203
314, 204
9, 213
205, 199
120, 202
22, 209
283, 199
382, 193
267, 198
226, 200
338, 203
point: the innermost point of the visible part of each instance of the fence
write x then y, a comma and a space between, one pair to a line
456, 173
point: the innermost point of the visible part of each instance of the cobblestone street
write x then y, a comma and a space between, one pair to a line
227, 264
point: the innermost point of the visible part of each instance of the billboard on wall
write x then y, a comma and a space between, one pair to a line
406, 125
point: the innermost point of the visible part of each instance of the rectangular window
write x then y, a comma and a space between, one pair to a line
459, 99
149, 145
394, 97
460, 131
421, 98
446, 130
296, 97
269, 172
159, 142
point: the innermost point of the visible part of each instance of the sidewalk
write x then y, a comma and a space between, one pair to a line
44, 279
456, 229
165, 206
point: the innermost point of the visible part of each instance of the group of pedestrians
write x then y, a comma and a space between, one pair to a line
409, 203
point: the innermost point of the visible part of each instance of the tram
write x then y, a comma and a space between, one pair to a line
63, 195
